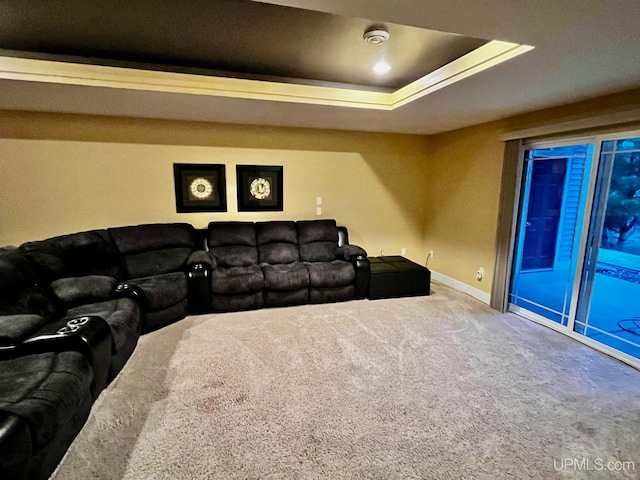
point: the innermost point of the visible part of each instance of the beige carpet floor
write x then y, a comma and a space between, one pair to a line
437, 387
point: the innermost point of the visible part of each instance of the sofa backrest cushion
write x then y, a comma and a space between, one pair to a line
75, 255
15, 329
233, 243
318, 240
154, 249
20, 291
277, 242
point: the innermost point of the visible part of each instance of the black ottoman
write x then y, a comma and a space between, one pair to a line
395, 276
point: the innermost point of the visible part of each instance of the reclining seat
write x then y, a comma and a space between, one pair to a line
45, 399
80, 271
155, 261
48, 380
286, 279
237, 280
331, 279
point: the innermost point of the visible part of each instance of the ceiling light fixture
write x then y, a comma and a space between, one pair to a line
381, 67
376, 36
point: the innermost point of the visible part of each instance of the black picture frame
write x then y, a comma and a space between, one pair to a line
260, 188
200, 187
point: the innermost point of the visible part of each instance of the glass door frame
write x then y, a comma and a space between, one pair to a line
582, 240
520, 216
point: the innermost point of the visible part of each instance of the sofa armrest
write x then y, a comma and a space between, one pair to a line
199, 288
89, 335
346, 252
136, 293
130, 290
199, 267
363, 272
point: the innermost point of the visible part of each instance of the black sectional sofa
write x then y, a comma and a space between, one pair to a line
73, 307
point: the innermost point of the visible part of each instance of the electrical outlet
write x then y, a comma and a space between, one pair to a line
403, 252
431, 253
319, 211
480, 273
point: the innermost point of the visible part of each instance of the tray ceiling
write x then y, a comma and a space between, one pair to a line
146, 59
207, 45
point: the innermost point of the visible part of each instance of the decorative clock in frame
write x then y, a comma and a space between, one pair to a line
259, 188
200, 188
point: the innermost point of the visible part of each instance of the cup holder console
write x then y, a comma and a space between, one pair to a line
68, 329
73, 325
78, 321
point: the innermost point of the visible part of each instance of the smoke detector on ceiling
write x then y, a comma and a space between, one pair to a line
376, 36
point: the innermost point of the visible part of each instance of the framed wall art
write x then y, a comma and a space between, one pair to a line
200, 187
259, 188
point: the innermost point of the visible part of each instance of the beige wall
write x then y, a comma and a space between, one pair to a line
462, 211
63, 174
464, 171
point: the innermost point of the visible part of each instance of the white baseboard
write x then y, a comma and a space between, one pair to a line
484, 297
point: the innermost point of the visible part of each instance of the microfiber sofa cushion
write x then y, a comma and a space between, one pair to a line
25, 306
279, 257
331, 279
331, 274
74, 291
237, 280
45, 400
318, 240
277, 242
14, 329
75, 255
163, 290
46, 390
154, 249
318, 249
233, 244
20, 292
292, 276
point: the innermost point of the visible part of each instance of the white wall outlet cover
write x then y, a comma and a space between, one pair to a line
318, 211
318, 200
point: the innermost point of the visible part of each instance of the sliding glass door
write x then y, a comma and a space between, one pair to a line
552, 206
576, 262
609, 304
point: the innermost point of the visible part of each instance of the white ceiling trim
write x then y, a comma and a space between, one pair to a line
484, 57
480, 59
